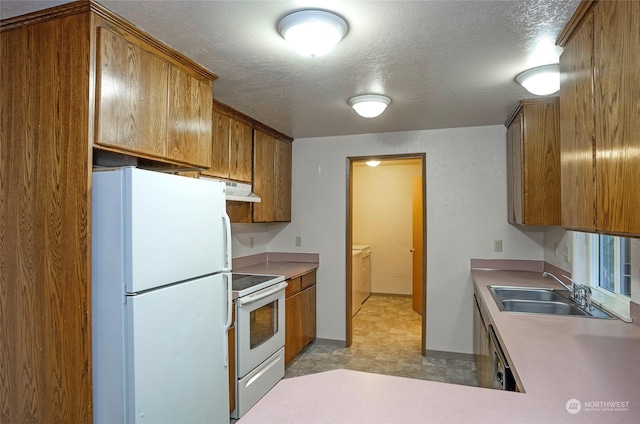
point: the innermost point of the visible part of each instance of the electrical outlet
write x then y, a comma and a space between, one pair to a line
298, 241
497, 245
566, 254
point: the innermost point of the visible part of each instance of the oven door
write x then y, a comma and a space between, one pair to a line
260, 327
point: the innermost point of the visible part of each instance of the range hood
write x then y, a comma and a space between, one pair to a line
240, 192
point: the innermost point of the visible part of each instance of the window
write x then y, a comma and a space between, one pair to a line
611, 264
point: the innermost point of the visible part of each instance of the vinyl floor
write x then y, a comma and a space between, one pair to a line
386, 340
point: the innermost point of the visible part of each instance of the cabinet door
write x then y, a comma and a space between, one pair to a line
294, 308
541, 163
240, 150
283, 181
131, 96
190, 119
220, 147
616, 52
310, 315
577, 130
514, 165
264, 177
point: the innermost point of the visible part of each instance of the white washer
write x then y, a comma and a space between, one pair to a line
365, 289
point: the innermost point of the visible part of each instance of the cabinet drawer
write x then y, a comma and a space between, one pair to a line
308, 279
294, 286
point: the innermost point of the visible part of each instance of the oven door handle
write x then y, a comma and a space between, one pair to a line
246, 300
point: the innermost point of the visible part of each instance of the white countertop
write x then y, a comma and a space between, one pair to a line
556, 358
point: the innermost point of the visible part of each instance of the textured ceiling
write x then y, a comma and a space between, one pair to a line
445, 64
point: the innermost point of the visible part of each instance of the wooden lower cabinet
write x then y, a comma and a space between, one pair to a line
481, 348
300, 317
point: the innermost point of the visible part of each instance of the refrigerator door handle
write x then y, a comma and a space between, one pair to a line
227, 227
227, 325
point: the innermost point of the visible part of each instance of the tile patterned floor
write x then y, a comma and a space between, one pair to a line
386, 340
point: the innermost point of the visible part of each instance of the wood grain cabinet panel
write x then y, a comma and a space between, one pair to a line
131, 96
282, 160
533, 163
264, 177
300, 314
219, 166
481, 348
45, 262
240, 151
189, 124
577, 131
600, 87
147, 106
232, 149
617, 84
272, 178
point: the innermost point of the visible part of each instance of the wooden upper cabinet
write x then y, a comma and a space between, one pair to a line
533, 163
219, 166
148, 105
240, 151
600, 87
131, 96
282, 160
617, 101
264, 177
232, 149
577, 129
190, 119
272, 178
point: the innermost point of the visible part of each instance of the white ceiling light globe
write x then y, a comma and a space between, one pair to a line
369, 105
541, 81
312, 32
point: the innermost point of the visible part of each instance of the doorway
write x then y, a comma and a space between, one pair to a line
401, 267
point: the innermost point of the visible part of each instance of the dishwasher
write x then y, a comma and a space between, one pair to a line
502, 376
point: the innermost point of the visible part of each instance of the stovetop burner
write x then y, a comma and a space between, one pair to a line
244, 284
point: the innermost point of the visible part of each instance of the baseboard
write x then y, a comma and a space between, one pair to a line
450, 355
332, 342
391, 294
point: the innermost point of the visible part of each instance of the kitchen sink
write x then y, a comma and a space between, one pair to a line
534, 300
524, 293
541, 307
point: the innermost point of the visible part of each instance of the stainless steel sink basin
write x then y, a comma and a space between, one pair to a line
541, 307
524, 293
541, 301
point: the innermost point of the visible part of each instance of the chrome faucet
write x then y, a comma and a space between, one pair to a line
585, 294
580, 293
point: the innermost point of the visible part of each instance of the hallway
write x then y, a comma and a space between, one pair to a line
386, 340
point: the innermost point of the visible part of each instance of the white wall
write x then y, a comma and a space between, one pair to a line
382, 218
466, 212
557, 240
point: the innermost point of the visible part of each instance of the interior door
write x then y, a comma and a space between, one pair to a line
418, 253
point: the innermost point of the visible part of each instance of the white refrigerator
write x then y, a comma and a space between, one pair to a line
161, 298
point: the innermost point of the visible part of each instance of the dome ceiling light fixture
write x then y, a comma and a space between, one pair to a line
312, 32
369, 105
542, 80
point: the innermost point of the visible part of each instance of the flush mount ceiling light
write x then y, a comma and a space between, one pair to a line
373, 163
541, 81
369, 105
312, 32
